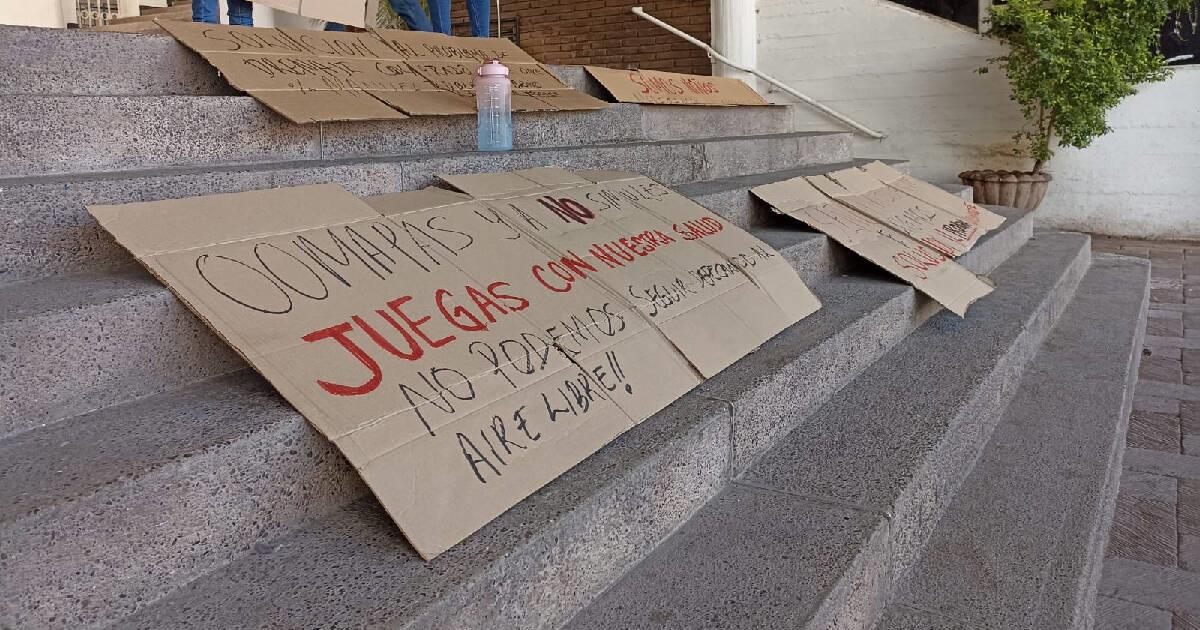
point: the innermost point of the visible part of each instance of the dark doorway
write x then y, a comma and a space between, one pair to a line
1181, 36
965, 12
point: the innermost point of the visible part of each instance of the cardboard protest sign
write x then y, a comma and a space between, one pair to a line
670, 88
463, 350
928, 269
757, 294
318, 76
930, 194
942, 221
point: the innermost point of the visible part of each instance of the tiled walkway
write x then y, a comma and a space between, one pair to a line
1152, 567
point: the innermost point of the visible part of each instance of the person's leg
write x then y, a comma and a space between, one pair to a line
413, 15
205, 11
334, 26
480, 12
241, 13
439, 14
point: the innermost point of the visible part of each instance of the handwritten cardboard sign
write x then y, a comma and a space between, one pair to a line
914, 238
318, 76
670, 88
923, 211
462, 350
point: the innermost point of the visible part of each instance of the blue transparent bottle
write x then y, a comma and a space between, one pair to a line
493, 97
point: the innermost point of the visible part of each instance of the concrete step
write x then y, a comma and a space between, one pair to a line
49, 231
71, 344
965, 192
126, 336
66, 62
1022, 543
83, 134
116, 509
816, 533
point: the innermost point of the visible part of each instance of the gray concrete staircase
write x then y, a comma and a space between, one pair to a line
149, 479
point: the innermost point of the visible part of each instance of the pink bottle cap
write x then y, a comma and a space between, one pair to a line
493, 68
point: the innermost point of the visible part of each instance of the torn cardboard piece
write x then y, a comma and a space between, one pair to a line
322, 76
463, 352
929, 270
671, 88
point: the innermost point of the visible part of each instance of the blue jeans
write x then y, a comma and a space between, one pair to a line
241, 12
480, 12
412, 13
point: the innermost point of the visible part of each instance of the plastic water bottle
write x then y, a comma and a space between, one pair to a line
493, 97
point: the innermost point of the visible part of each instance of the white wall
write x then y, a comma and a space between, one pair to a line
1143, 179
903, 72
912, 76
48, 13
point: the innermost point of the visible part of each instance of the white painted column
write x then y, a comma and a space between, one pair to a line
735, 35
45, 13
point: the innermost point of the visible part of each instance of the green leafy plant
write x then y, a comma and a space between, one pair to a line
1071, 61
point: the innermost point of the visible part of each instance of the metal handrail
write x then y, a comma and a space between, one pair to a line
825, 109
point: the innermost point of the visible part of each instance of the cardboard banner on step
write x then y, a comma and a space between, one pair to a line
462, 350
320, 76
911, 228
670, 88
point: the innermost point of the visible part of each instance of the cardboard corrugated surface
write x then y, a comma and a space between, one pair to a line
910, 228
465, 348
670, 88
320, 76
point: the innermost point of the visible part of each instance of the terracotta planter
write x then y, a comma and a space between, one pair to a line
1007, 188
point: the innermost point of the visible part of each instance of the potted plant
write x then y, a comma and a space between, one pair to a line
1068, 63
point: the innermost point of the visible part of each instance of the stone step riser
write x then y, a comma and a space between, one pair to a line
871, 583
85, 134
66, 62
314, 479
886, 537
758, 427
49, 231
926, 497
144, 536
1038, 506
103, 355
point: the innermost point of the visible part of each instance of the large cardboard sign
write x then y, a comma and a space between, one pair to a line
915, 238
670, 88
462, 350
319, 76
